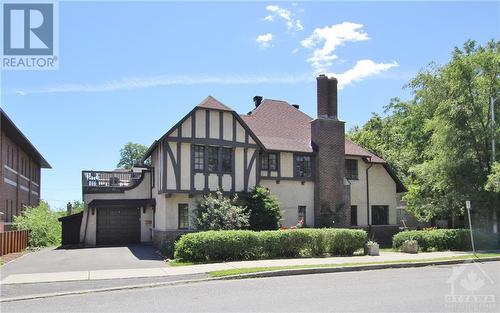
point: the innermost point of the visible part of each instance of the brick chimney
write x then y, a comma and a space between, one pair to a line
331, 200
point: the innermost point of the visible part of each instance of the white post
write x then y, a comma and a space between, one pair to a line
493, 155
467, 205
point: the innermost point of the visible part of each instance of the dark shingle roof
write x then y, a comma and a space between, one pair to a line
280, 126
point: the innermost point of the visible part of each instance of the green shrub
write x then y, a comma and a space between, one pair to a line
218, 212
437, 239
41, 221
234, 245
263, 209
344, 241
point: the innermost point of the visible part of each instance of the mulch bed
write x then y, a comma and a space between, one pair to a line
4, 259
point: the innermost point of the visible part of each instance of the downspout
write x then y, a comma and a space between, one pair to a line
368, 200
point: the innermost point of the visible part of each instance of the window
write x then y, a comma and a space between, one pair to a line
302, 166
199, 158
380, 214
269, 161
183, 216
354, 215
351, 169
227, 159
302, 214
213, 159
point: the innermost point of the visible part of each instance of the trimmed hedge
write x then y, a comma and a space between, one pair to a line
233, 245
436, 239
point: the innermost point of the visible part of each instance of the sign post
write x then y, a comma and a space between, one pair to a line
468, 207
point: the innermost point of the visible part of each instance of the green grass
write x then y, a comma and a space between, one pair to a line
239, 271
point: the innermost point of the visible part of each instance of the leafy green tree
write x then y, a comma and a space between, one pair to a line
41, 221
439, 141
493, 183
218, 212
130, 154
77, 207
263, 209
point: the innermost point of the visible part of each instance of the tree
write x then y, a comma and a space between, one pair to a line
439, 141
41, 221
493, 183
130, 154
218, 212
263, 209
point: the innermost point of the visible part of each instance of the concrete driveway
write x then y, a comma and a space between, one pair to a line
85, 259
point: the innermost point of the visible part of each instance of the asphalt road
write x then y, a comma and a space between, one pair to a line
392, 290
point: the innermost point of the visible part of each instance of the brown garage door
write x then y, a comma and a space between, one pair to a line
118, 226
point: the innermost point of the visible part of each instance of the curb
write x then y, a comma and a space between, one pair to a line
277, 273
354, 268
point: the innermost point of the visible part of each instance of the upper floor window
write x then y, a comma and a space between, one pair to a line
303, 166
269, 161
199, 158
351, 169
227, 159
213, 159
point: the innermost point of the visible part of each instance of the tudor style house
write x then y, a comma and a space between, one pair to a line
308, 164
20, 171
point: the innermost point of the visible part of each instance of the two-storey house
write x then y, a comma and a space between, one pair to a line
308, 164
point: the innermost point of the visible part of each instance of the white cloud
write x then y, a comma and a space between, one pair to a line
286, 15
159, 81
264, 40
362, 69
324, 41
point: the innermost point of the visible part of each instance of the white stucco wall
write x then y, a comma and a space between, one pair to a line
286, 163
291, 194
382, 191
88, 227
167, 210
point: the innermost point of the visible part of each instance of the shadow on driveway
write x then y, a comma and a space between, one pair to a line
52, 260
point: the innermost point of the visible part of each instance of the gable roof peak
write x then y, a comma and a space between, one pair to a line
212, 103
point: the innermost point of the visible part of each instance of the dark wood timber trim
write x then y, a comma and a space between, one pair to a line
164, 166
245, 169
221, 125
233, 173
212, 142
207, 123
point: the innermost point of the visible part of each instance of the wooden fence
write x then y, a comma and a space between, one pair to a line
13, 241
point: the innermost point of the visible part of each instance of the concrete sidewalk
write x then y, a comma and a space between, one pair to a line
205, 268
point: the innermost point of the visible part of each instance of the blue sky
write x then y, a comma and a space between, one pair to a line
129, 70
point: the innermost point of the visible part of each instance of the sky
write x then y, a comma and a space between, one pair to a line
128, 71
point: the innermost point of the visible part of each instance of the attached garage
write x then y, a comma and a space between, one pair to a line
118, 225
118, 222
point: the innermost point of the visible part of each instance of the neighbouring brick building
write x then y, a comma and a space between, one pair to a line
318, 175
20, 171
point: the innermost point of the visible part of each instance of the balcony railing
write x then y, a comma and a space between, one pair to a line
103, 181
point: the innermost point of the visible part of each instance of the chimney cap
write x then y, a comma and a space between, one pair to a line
323, 76
257, 100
